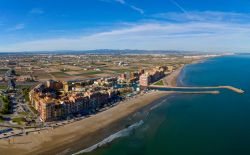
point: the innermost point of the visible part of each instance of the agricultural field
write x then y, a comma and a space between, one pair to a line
71, 67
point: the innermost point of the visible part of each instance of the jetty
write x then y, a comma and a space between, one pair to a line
237, 90
215, 92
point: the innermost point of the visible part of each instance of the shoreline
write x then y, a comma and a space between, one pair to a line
82, 134
171, 80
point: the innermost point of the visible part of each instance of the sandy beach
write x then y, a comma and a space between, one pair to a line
79, 134
171, 79
76, 136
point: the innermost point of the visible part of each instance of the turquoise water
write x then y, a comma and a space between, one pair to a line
196, 124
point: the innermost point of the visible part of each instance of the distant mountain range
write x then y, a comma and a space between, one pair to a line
108, 52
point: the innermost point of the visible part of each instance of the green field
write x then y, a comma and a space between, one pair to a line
3, 86
6, 107
23, 86
122, 70
90, 73
18, 120
59, 74
3, 71
159, 83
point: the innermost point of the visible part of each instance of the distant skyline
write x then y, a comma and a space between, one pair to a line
191, 25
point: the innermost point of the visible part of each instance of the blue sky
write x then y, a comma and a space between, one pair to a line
207, 25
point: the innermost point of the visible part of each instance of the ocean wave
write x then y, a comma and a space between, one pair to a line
123, 133
158, 104
182, 76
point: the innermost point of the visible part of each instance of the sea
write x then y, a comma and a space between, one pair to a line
189, 124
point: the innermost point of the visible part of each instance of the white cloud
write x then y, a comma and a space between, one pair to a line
16, 27
141, 11
205, 16
36, 11
200, 36
179, 6
123, 2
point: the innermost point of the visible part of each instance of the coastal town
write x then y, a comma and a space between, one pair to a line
124, 77
35, 103
56, 100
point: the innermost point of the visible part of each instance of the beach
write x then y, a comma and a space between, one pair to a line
81, 134
171, 79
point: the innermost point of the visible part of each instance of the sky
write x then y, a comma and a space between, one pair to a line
189, 25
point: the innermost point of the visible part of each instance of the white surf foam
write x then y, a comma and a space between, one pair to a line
123, 133
158, 104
